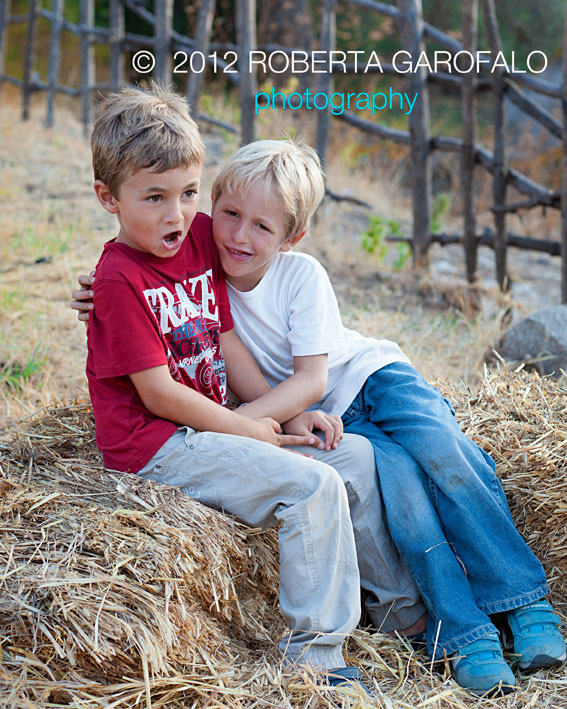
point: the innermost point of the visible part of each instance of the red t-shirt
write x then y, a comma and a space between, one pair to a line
151, 311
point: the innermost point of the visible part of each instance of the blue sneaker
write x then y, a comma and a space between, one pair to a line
344, 676
480, 668
537, 639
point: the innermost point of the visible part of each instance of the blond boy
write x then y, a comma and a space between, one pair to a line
446, 509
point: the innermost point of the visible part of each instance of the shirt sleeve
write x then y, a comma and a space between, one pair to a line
123, 333
225, 316
315, 325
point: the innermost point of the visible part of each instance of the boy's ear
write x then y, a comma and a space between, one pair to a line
105, 197
293, 240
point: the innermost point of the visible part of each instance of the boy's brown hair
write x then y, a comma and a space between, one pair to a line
143, 129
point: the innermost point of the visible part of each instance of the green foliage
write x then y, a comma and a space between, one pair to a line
404, 255
39, 246
524, 26
10, 300
373, 237
14, 375
439, 209
132, 20
374, 240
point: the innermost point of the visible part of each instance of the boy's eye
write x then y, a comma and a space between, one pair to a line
262, 226
154, 198
190, 194
230, 212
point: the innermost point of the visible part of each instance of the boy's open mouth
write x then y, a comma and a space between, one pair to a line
172, 240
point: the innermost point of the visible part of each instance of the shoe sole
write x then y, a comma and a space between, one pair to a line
499, 690
542, 661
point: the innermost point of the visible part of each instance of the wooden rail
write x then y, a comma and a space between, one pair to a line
165, 41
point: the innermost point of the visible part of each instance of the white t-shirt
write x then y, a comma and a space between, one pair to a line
293, 312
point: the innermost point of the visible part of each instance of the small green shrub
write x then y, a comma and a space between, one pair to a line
439, 209
15, 375
374, 240
38, 246
10, 300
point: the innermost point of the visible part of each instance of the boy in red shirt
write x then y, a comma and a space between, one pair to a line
158, 341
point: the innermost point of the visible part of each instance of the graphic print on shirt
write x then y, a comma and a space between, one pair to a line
188, 318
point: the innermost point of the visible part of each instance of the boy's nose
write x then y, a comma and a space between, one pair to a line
174, 213
239, 233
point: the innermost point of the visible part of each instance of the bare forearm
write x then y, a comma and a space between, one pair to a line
184, 406
288, 398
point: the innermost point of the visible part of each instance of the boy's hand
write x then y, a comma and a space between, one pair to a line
308, 421
270, 431
83, 298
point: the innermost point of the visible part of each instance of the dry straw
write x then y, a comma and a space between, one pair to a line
117, 592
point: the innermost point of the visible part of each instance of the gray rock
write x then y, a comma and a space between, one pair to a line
540, 340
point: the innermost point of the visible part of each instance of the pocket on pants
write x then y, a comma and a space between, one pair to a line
182, 467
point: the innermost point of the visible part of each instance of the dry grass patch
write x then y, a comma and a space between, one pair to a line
118, 592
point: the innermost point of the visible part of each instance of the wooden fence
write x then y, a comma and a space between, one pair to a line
166, 45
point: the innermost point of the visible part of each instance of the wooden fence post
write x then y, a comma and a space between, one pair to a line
564, 172
28, 59
247, 86
87, 62
202, 40
163, 27
411, 28
468, 107
500, 172
116, 21
326, 84
4, 15
53, 69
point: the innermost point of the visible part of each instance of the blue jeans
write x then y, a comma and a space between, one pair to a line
446, 509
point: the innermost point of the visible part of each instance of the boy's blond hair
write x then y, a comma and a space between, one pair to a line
291, 168
143, 129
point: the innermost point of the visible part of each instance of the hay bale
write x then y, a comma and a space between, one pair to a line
520, 418
120, 592
94, 563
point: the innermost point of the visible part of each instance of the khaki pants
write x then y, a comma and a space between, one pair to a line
318, 542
